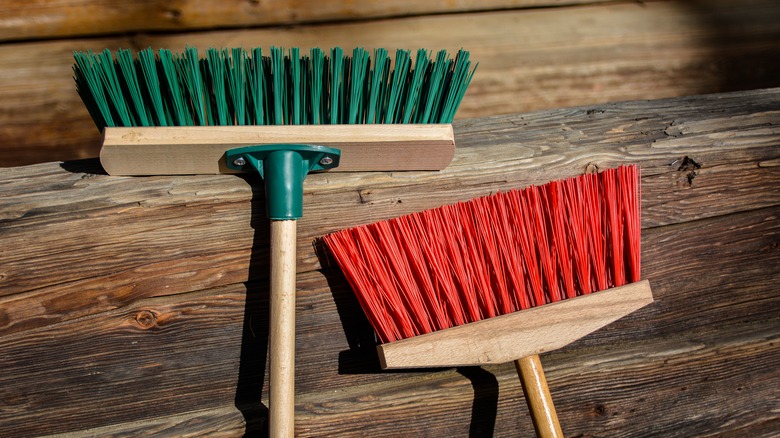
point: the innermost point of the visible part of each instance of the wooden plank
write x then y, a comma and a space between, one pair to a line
198, 353
221, 422
201, 149
513, 336
21, 20
529, 59
113, 285
87, 243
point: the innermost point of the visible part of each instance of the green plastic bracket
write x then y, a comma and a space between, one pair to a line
283, 167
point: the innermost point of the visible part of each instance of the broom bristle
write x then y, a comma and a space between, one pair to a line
240, 87
494, 255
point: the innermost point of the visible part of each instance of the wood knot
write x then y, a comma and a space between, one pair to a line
174, 15
146, 319
592, 168
690, 167
600, 410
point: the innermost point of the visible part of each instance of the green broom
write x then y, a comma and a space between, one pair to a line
282, 115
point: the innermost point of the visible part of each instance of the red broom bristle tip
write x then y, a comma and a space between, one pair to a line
494, 255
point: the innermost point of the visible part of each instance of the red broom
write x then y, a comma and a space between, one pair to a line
501, 278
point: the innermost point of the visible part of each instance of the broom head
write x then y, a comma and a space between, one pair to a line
166, 113
500, 277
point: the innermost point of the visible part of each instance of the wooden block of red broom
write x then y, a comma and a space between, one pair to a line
501, 278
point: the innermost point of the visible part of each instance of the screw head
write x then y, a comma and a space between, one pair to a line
326, 161
240, 161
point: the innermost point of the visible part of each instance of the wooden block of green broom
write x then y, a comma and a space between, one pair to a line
201, 149
282, 116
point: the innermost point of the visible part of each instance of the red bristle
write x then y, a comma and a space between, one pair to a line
596, 237
383, 285
511, 255
561, 239
439, 286
524, 231
494, 255
455, 248
632, 212
578, 233
538, 226
613, 227
345, 249
485, 218
413, 261
475, 262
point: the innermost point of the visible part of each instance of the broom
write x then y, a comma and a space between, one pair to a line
167, 113
501, 278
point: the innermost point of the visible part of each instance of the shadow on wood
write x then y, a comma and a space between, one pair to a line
484, 408
361, 357
89, 166
739, 57
254, 338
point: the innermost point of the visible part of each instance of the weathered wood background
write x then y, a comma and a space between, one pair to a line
533, 54
133, 306
136, 306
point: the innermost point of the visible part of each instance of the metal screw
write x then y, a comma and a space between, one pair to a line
240, 161
326, 161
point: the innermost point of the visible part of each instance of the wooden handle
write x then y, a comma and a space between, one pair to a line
537, 395
282, 329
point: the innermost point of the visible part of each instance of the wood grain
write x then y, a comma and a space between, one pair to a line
197, 335
145, 237
21, 19
529, 59
513, 336
201, 149
281, 332
537, 395
126, 305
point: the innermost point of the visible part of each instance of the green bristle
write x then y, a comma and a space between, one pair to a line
236, 84
229, 87
257, 87
296, 84
433, 91
397, 85
90, 88
153, 86
305, 90
107, 73
177, 106
360, 66
279, 85
461, 79
336, 84
216, 78
188, 66
127, 67
317, 77
377, 79
413, 91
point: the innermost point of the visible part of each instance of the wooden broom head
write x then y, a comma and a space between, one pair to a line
501, 277
190, 100
186, 150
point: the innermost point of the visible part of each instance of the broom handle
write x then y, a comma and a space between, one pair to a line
537, 395
282, 329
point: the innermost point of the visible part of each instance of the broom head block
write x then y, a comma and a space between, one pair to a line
189, 150
516, 335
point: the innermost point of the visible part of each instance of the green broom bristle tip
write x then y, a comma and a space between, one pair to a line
284, 87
